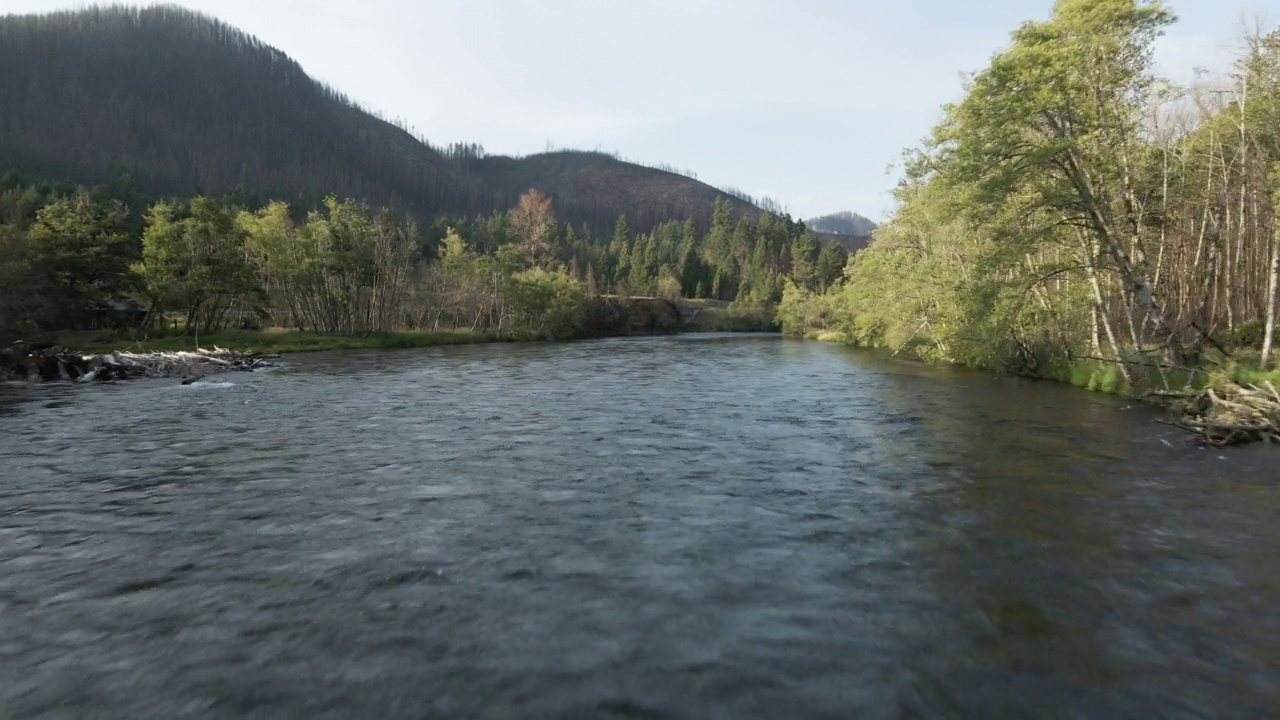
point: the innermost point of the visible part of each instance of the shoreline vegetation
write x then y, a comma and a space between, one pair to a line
1229, 399
90, 270
1077, 217
626, 317
86, 356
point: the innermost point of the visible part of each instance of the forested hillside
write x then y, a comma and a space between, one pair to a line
1074, 208
180, 103
842, 223
159, 167
596, 188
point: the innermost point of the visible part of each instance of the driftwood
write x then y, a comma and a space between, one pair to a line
1228, 415
49, 364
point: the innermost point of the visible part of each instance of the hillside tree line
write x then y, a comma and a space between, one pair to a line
75, 258
185, 104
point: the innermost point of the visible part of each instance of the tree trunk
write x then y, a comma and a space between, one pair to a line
1271, 301
1099, 305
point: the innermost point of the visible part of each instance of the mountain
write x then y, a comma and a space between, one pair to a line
842, 223
183, 103
595, 185
846, 229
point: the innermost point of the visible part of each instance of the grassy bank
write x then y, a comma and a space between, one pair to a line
1217, 370
604, 316
1242, 368
698, 316
276, 341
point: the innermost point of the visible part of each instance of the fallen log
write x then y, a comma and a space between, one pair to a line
53, 365
1230, 414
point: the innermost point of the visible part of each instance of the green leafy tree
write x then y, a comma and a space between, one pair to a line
81, 250
1048, 139
548, 304
281, 259
195, 260
465, 288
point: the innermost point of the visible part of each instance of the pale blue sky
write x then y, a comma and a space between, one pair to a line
806, 101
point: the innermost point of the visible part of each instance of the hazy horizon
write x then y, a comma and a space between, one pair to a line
809, 103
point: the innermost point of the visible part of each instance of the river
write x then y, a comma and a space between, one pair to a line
684, 527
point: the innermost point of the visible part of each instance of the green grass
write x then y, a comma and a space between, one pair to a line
831, 336
1245, 368
280, 341
1242, 368
1093, 375
1257, 376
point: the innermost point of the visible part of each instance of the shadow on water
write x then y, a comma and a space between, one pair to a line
10, 401
1081, 558
692, 526
14, 397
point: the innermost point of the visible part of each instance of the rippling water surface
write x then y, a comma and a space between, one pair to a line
690, 527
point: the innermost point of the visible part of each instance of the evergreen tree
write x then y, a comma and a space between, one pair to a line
830, 266
804, 259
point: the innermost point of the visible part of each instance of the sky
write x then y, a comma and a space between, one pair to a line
809, 102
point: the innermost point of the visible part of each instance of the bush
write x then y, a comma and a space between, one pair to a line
1246, 335
546, 304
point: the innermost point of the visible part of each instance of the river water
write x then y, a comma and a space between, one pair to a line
687, 527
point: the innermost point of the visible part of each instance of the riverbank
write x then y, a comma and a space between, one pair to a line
1226, 400
275, 340
1242, 367
608, 317
53, 365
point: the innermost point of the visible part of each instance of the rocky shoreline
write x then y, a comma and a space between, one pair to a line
34, 364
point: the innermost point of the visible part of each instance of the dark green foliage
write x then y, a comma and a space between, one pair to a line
1246, 335
804, 260
81, 251
65, 258
830, 266
734, 261
204, 264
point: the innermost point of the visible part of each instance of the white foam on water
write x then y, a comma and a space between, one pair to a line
201, 385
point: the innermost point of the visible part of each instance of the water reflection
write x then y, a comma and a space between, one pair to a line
1078, 559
